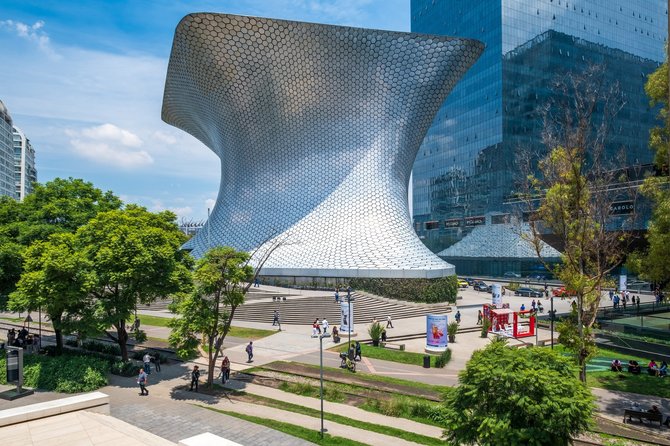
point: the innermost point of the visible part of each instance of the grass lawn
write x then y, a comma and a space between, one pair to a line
627, 382
154, 321
290, 429
380, 379
386, 430
389, 355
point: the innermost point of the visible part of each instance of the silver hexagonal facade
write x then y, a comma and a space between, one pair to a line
317, 128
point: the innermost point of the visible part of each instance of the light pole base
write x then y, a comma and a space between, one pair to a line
436, 350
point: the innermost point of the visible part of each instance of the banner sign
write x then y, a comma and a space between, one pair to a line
475, 221
436, 330
623, 281
347, 317
497, 295
453, 223
622, 208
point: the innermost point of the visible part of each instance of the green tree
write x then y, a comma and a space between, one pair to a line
56, 280
134, 257
517, 396
653, 264
572, 185
55, 207
221, 277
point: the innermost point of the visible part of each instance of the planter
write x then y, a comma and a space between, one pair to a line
375, 342
452, 338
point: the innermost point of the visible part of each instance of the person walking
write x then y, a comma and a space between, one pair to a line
195, 376
275, 318
357, 353
225, 369
458, 317
146, 359
325, 325
337, 296
479, 317
143, 380
250, 351
389, 322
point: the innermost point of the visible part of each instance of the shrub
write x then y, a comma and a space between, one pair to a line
452, 329
68, 373
444, 289
513, 286
102, 347
443, 359
124, 368
486, 324
375, 331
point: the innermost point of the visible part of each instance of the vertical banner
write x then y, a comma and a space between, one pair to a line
347, 317
436, 331
623, 280
496, 299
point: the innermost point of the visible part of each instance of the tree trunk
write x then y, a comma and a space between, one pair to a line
59, 340
122, 339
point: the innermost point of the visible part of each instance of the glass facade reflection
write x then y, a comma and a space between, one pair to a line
465, 167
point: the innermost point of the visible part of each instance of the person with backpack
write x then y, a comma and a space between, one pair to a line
250, 351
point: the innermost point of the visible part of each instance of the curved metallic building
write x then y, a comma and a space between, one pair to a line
317, 128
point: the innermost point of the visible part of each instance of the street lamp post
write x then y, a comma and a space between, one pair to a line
323, 335
349, 310
551, 321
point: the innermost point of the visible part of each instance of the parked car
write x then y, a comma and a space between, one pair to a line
462, 283
538, 277
511, 274
470, 281
481, 286
562, 292
528, 292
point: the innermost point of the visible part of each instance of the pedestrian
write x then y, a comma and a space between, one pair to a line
348, 294
523, 307
256, 284
458, 317
336, 335
317, 326
157, 362
325, 325
143, 380
225, 369
384, 335
275, 318
624, 303
337, 296
136, 324
357, 350
532, 305
146, 359
389, 322
611, 293
250, 351
195, 376
480, 317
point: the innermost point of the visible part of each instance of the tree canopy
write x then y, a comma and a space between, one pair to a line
221, 277
517, 396
134, 257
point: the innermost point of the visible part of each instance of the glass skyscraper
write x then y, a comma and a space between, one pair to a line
465, 168
6, 153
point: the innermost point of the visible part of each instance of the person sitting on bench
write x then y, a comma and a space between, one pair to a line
616, 366
652, 368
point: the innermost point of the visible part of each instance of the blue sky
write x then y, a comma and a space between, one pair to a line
84, 80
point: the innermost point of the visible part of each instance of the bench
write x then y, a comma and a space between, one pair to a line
389, 345
640, 415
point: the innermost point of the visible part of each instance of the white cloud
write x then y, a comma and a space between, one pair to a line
164, 137
109, 145
33, 33
210, 202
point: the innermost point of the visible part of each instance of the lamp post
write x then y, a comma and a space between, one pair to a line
321, 336
349, 310
551, 321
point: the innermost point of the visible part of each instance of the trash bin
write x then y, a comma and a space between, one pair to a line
426, 362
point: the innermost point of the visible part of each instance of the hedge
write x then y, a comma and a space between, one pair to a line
444, 289
67, 373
